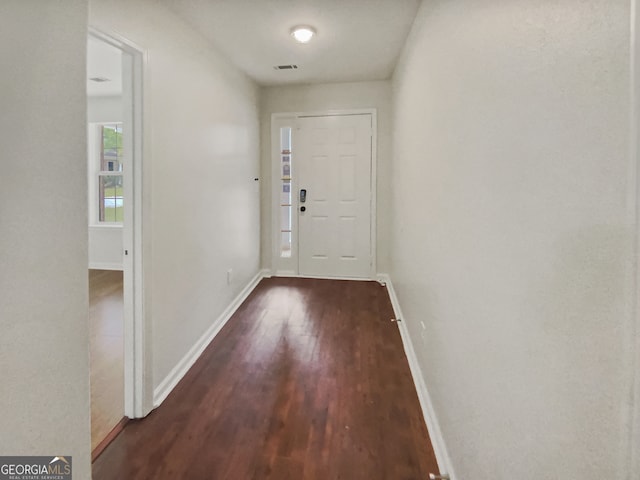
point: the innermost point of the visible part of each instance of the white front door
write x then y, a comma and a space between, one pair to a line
334, 221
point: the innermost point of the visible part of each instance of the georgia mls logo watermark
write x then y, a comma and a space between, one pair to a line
35, 468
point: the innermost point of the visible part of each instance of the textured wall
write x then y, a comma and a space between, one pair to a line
202, 212
511, 234
44, 345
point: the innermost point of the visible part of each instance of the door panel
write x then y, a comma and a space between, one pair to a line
334, 166
348, 181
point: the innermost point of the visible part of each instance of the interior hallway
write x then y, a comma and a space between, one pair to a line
308, 380
107, 352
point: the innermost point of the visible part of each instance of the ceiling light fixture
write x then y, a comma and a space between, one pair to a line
303, 33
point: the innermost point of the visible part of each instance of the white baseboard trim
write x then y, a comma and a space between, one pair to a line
105, 266
162, 391
439, 447
291, 274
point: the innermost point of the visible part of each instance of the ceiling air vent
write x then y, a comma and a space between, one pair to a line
100, 79
286, 67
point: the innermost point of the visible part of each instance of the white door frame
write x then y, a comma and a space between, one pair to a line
138, 387
289, 267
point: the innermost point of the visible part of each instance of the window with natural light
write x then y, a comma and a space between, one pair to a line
285, 192
110, 199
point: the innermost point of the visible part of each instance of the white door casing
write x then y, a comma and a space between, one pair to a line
333, 163
138, 386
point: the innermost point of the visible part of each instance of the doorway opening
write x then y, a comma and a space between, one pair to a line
106, 175
114, 104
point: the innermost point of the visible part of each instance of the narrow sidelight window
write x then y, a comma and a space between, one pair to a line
285, 192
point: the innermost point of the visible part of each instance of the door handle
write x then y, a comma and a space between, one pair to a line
303, 209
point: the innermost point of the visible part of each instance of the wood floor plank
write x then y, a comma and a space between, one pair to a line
308, 380
106, 345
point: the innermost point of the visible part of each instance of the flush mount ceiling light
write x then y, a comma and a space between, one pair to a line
303, 33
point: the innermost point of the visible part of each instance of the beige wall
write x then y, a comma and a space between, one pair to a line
319, 98
201, 156
44, 346
511, 231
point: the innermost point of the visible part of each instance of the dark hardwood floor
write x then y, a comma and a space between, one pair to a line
308, 380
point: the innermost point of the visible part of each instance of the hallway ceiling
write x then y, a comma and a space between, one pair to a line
356, 39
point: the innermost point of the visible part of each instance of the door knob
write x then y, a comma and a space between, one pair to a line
303, 209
